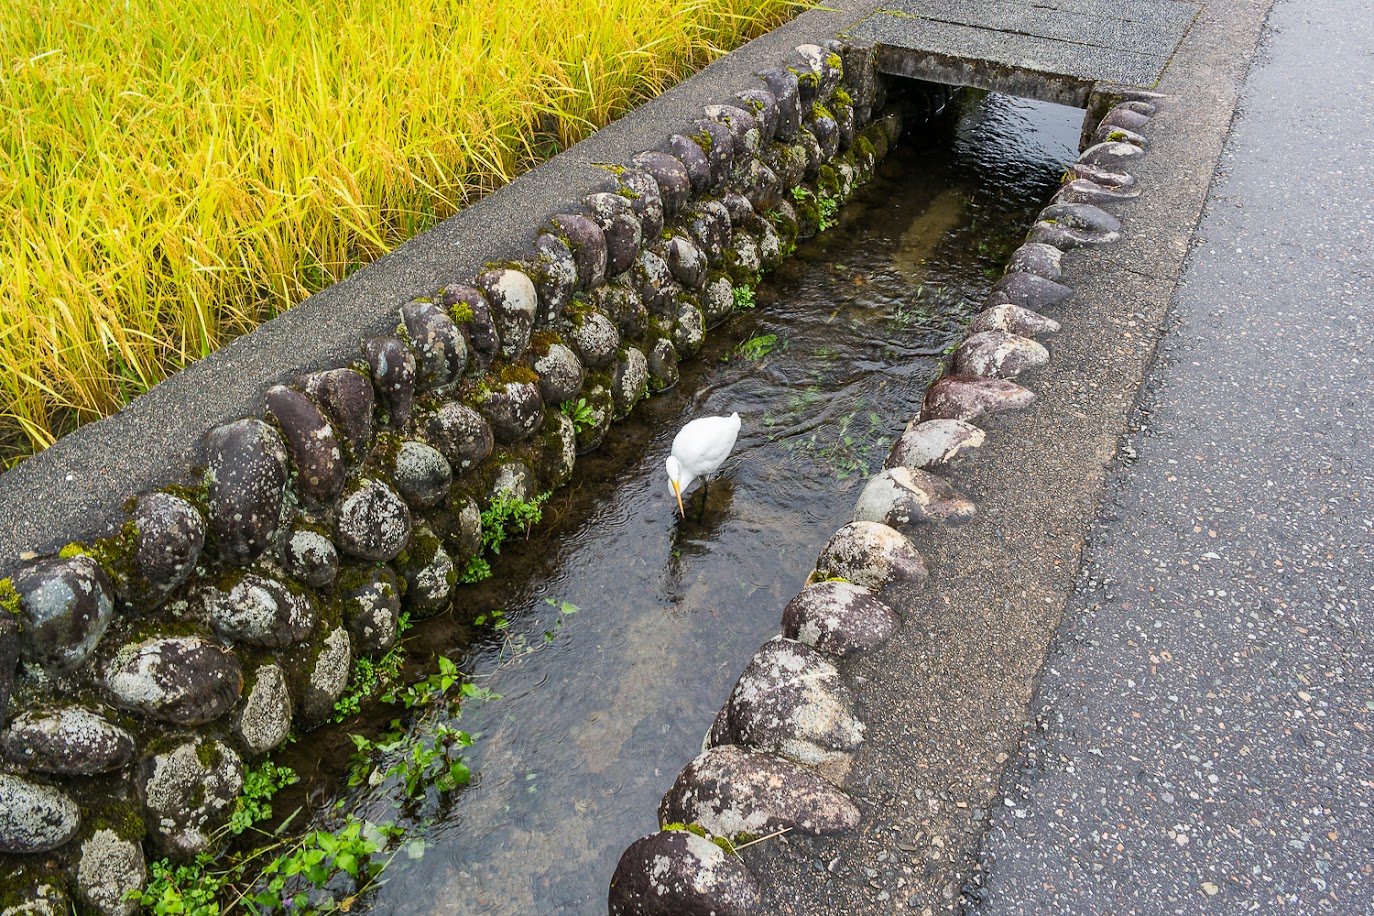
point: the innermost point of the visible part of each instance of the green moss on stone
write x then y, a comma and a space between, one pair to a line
461, 313
9, 598
842, 98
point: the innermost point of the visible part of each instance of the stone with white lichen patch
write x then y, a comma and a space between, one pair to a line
374, 522
677, 873
998, 354
1013, 319
903, 497
34, 817
71, 740
934, 442
185, 680
328, 677
513, 300
109, 871
259, 610
838, 618
264, 719
188, 792
245, 473
870, 554
65, 604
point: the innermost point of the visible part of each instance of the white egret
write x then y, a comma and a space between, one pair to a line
698, 450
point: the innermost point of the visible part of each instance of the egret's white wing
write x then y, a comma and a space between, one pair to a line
704, 443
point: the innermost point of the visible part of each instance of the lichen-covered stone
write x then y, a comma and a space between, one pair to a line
392, 366
259, 610
373, 521
968, 397
674, 184
597, 394
371, 606
933, 442
65, 605
245, 475
870, 554
761, 185
310, 556
744, 260
763, 105
744, 131
621, 228
826, 64
998, 354
826, 131
588, 243
594, 337
461, 435
686, 261
347, 396
620, 302
513, 409
1028, 291
554, 272
631, 380
815, 156
559, 453
263, 721
109, 870
1034, 258
441, 350
185, 680
860, 75
314, 449
693, 159
717, 299
470, 311
9, 661
742, 213
1067, 226
34, 817
663, 367
327, 678
677, 873
782, 85
719, 144
1112, 156
514, 303
771, 251
904, 497
788, 161
188, 792
642, 191
36, 889
1083, 191
791, 701
689, 329
708, 222
838, 618
421, 474
560, 374
171, 534
515, 480
429, 574
736, 792
71, 741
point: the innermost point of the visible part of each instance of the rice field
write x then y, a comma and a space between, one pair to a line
173, 172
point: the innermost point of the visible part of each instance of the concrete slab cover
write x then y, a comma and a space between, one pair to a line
1047, 49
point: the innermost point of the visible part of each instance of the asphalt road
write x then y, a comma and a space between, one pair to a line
1204, 737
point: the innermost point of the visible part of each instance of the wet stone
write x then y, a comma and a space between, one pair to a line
744, 130
263, 721
65, 604
185, 680
782, 84
621, 228
693, 159
663, 365
373, 521
560, 451
838, 618
328, 677
709, 225
171, 533
9, 662
719, 145
109, 870
245, 474
261, 611
560, 374
188, 793
718, 299
1108, 178
594, 337
1066, 226
315, 452
587, 241
761, 185
676, 873
68, 740
421, 474
674, 184
1112, 156
870, 554
478, 326
653, 281
1039, 259
1013, 319
41, 893
631, 383
967, 398
903, 497
554, 271
763, 105
346, 396
744, 259
686, 261
645, 200
429, 574
1083, 191
788, 161
998, 354
770, 246
460, 434
392, 365
516, 480
1109, 133
310, 556
1028, 291
441, 350
740, 209
934, 442
371, 606
33, 817
791, 701
1126, 117
599, 409
514, 302
861, 75
733, 791
689, 330
514, 410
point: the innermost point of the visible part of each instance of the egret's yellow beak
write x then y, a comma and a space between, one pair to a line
678, 493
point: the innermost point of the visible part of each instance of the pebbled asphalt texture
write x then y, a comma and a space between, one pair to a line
1203, 735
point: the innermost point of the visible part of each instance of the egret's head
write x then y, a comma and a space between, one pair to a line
678, 480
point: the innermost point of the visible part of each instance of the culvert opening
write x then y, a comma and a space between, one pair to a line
611, 636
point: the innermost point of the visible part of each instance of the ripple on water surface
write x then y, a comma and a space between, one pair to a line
592, 727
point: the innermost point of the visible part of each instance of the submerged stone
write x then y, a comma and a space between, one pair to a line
587, 241
904, 497
188, 794
1028, 291
1014, 320
870, 554
65, 605
968, 397
185, 680
677, 873
392, 364
441, 350
934, 442
314, 449
346, 395
373, 521
461, 435
33, 817
71, 741
838, 618
621, 227
261, 611
998, 354
735, 792
514, 302
245, 475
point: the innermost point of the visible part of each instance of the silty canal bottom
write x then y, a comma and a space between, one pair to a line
595, 720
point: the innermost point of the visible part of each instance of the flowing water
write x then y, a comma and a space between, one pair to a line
596, 720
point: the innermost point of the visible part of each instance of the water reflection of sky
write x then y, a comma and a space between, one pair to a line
593, 727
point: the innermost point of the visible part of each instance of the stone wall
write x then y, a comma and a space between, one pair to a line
139, 671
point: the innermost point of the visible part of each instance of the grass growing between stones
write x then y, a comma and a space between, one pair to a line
173, 172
